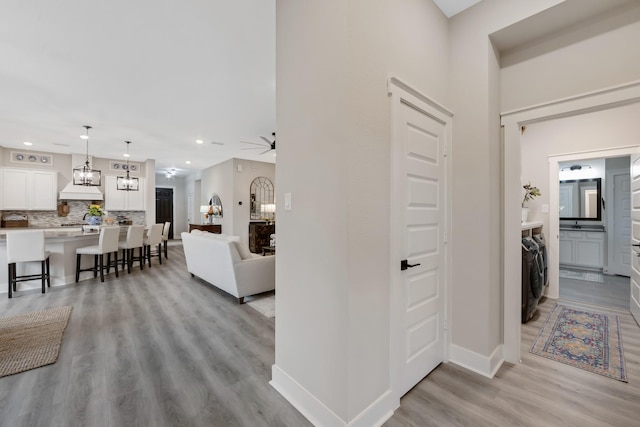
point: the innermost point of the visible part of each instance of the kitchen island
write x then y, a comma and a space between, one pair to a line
61, 242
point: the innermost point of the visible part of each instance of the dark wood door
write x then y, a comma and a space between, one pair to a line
164, 207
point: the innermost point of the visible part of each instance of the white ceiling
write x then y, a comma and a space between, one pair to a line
453, 7
160, 74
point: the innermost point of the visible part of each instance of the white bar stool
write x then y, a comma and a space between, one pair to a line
154, 238
26, 246
135, 240
165, 237
107, 244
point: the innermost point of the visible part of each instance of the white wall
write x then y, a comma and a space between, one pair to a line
476, 218
241, 186
332, 275
600, 61
232, 187
218, 179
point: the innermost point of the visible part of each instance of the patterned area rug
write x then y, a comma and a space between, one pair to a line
31, 340
588, 276
264, 303
584, 339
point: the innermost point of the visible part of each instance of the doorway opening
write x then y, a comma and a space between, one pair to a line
164, 208
594, 241
514, 126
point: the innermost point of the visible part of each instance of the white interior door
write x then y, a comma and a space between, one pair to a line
420, 202
619, 216
634, 301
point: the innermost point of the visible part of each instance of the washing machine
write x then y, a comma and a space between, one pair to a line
533, 277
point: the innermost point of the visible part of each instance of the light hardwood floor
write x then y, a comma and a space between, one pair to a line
612, 292
538, 392
159, 348
151, 348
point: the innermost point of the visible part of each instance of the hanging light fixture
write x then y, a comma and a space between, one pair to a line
84, 175
127, 183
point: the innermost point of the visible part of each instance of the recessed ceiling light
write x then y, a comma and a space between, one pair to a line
188, 162
28, 143
199, 141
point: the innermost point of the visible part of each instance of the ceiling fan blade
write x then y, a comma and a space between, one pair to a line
266, 151
266, 140
251, 148
253, 143
217, 143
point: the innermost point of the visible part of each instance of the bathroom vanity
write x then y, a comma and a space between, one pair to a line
582, 247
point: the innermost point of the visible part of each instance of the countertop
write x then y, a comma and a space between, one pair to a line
51, 232
591, 228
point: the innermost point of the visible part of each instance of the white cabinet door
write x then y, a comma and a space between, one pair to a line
44, 188
119, 200
114, 200
566, 249
15, 189
582, 248
136, 198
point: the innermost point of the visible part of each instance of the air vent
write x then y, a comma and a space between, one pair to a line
28, 157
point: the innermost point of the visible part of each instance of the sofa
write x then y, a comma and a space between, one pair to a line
227, 264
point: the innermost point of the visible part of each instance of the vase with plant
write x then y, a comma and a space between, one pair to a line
530, 192
94, 215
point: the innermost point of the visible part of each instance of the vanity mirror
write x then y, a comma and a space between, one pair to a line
580, 199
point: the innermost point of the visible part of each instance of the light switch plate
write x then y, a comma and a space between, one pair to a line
287, 201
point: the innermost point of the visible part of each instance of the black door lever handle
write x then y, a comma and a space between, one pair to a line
636, 244
404, 264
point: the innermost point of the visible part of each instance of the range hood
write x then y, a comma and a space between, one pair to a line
79, 192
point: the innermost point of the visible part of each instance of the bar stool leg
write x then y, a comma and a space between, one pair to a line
42, 278
78, 267
48, 273
115, 255
10, 282
101, 268
95, 265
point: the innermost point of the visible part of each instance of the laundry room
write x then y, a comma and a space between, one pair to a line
581, 167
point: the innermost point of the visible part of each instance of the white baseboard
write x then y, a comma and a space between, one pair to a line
483, 365
319, 415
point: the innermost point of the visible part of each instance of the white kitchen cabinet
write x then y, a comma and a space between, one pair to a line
119, 200
582, 248
24, 189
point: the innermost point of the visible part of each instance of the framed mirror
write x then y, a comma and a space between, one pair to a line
215, 206
262, 199
581, 199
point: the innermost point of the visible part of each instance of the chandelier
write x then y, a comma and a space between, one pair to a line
127, 183
84, 175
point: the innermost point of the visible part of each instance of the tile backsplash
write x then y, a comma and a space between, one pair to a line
77, 209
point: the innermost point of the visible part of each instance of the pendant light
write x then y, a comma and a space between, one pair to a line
84, 175
127, 183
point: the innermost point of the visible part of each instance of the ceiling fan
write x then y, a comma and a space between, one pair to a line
269, 145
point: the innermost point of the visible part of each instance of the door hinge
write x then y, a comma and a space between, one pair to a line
446, 237
446, 150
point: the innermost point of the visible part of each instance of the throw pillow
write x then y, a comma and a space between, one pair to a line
243, 250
